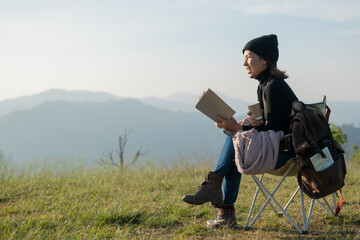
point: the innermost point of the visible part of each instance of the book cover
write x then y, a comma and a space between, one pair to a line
211, 104
321, 163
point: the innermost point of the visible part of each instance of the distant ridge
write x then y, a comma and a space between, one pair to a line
343, 112
58, 123
57, 129
26, 102
183, 97
185, 102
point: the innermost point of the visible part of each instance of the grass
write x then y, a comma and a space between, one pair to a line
145, 203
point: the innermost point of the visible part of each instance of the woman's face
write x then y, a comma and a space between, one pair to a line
254, 64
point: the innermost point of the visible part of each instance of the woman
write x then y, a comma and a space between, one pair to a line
275, 97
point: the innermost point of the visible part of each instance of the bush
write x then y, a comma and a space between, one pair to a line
338, 134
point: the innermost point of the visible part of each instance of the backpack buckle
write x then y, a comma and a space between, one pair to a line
326, 142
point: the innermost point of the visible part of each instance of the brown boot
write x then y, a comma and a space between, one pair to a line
225, 217
208, 191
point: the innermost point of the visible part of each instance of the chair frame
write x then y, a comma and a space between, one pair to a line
270, 199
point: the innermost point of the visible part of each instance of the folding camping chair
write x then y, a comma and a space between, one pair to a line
290, 169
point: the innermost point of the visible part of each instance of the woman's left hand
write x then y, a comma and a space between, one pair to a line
256, 122
230, 125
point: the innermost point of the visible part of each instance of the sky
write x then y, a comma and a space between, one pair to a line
141, 48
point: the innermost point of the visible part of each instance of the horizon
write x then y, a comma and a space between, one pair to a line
71, 121
158, 48
144, 97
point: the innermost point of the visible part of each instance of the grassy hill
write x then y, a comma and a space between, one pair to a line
145, 203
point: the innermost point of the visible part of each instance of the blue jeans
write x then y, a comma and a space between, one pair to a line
226, 167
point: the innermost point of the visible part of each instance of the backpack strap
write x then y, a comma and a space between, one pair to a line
328, 111
285, 143
323, 135
316, 147
338, 207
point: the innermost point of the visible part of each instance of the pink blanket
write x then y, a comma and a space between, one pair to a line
256, 152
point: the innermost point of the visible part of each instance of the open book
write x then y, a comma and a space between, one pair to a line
211, 104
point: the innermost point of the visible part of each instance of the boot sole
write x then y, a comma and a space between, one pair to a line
192, 202
200, 203
226, 225
216, 203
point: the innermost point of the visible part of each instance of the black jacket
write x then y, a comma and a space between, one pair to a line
276, 98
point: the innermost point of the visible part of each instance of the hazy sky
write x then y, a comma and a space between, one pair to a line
138, 48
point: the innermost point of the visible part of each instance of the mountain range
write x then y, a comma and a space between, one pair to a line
58, 124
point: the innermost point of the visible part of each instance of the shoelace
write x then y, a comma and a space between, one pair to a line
203, 183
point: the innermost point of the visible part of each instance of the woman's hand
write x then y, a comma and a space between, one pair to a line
230, 125
254, 122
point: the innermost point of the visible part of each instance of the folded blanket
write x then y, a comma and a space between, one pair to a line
256, 152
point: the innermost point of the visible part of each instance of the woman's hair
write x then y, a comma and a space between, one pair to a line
275, 71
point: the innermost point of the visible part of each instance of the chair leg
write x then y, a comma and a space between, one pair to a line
247, 227
261, 187
265, 196
327, 208
306, 227
334, 201
306, 221
303, 208
292, 198
271, 197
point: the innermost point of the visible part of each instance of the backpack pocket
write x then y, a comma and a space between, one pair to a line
320, 184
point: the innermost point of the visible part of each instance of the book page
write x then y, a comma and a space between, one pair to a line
211, 104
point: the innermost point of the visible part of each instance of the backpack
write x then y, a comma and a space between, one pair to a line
311, 135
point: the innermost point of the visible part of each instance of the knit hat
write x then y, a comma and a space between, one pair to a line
264, 46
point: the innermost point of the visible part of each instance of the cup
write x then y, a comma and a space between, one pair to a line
255, 110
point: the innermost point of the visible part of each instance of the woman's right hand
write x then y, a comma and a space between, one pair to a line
228, 124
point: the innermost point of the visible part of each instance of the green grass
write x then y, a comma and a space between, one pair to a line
145, 203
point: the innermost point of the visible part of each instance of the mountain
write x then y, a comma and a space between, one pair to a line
60, 129
183, 97
27, 102
186, 102
345, 112
169, 104
353, 136
59, 124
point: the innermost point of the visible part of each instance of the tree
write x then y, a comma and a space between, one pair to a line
120, 162
338, 134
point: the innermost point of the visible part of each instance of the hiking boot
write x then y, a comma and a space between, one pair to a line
208, 191
225, 217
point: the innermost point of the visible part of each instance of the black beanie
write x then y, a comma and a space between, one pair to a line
264, 46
